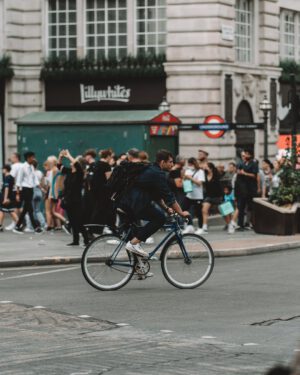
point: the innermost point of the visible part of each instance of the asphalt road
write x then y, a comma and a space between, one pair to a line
243, 320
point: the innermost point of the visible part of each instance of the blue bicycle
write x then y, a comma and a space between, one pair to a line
187, 260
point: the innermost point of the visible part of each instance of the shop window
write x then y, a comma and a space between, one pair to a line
151, 26
244, 30
106, 28
62, 28
290, 35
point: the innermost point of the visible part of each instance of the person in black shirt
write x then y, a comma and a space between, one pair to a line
103, 213
7, 196
176, 175
72, 196
89, 197
150, 186
246, 185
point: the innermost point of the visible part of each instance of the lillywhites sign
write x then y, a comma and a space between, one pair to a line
117, 93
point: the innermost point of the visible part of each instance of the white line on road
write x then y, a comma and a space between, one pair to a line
39, 273
166, 331
6, 302
84, 316
208, 337
250, 344
39, 307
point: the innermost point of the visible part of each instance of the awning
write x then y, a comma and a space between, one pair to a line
97, 117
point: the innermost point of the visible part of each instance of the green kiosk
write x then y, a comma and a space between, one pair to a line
46, 133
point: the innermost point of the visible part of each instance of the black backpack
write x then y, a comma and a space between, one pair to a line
122, 178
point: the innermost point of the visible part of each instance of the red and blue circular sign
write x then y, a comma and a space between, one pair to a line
214, 119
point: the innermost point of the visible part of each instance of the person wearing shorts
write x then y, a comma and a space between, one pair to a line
213, 194
7, 201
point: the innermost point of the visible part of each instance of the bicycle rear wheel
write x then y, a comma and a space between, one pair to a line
106, 264
189, 264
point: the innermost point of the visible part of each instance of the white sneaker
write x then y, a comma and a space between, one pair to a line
201, 231
136, 249
231, 229
234, 224
11, 226
106, 230
149, 241
188, 229
28, 230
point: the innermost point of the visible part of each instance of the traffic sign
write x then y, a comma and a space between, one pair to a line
212, 131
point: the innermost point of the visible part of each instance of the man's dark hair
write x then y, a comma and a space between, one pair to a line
7, 167
28, 155
248, 151
134, 153
17, 155
90, 152
105, 153
163, 155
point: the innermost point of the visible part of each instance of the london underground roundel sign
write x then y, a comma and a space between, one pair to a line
214, 119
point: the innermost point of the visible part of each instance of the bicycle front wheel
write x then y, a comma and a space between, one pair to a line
187, 263
106, 264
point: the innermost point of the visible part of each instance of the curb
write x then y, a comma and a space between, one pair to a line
56, 261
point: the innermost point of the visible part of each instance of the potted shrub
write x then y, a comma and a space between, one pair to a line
280, 214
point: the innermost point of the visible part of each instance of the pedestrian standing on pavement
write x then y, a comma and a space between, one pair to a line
246, 186
72, 195
203, 159
7, 197
90, 182
103, 212
16, 164
213, 194
177, 174
267, 170
194, 198
26, 182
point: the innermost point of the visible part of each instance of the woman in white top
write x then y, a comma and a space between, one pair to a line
194, 199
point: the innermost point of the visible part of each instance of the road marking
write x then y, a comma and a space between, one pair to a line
6, 302
122, 324
84, 316
166, 331
208, 337
39, 273
250, 344
39, 307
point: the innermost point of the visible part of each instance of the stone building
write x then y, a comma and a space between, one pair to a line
222, 57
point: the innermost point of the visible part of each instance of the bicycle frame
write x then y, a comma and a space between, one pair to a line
175, 230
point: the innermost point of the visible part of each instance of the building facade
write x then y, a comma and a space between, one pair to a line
222, 57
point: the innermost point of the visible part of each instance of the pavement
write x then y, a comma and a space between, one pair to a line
31, 249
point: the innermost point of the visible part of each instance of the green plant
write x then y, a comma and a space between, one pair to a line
141, 66
289, 67
288, 191
6, 71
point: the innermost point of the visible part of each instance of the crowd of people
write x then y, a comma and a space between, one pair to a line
67, 193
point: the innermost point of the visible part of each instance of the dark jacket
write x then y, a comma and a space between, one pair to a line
151, 185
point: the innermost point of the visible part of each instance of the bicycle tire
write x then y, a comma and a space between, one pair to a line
173, 262
95, 263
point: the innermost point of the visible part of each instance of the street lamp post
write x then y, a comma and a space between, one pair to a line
164, 105
265, 106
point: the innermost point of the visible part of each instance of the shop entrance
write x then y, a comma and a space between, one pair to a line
244, 138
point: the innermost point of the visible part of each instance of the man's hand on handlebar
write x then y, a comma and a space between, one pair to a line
185, 214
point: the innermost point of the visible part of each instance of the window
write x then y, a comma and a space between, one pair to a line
244, 30
151, 26
106, 28
290, 35
62, 28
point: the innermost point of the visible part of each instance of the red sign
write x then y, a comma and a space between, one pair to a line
166, 118
285, 142
214, 119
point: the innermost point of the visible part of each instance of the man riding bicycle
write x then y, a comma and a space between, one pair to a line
150, 187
